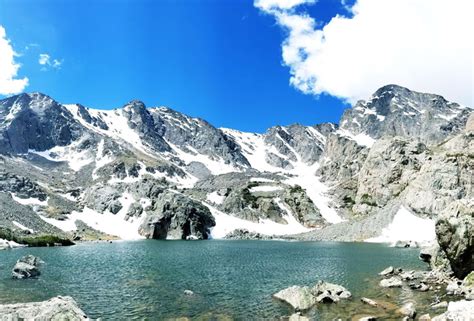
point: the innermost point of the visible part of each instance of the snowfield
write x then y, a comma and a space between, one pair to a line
407, 227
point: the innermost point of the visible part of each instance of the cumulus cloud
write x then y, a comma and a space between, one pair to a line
46, 61
9, 83
425, 45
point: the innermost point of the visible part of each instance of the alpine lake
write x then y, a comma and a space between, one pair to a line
231, 280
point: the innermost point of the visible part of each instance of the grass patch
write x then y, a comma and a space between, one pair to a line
34, 240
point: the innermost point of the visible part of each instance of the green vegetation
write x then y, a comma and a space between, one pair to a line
249, 198
34, 240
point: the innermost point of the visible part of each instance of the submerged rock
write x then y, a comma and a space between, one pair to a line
299, 297
27, 267
408, 310
57, 308
298, 317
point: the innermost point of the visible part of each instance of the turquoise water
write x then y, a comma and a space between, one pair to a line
230, 279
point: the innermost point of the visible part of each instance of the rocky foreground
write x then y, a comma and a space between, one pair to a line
61, 308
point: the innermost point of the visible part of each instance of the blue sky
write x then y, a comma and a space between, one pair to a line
244, 64
218, 60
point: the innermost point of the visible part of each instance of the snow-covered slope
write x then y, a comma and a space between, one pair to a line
154, 172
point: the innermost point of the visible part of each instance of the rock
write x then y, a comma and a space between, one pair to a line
369, 302
188, 292
387, 271
56, 309
27, 267
300, 298
406, 244
455, 234
454, 288
440, 305
408, 310
176, 216
327, 297
393, 282
369, 318
243, 234
457, 310
424, 317
407, 276
298, 317
330, 290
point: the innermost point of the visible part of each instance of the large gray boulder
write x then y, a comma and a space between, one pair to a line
176, 216
55, 309
457, 310
455, 234
27, 267
299, 297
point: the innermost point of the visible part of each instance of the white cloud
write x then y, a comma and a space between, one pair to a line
9, 83
425, 45
270, 5
45, 60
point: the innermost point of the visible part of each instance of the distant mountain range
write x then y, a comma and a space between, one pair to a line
134, 172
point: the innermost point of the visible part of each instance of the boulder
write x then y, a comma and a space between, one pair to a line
440, 305
327, 297
393, 282
331, 291
387, 271
176, 216
55, 309
27, 267
455, 234
299, 297
369, 302
457, 310
408, 310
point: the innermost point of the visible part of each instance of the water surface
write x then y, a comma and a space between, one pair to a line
230, 279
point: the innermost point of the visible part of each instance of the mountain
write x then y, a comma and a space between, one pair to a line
134, 172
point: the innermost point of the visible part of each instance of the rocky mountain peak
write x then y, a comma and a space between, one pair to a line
397, 111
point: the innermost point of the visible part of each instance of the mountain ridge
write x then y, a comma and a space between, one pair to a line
119, 171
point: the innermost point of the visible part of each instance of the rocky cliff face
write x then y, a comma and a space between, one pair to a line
154, 172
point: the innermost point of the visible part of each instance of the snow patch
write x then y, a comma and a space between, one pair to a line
113, 224
21, 226
407, 227
226, 223
215, 198
265, 188
361, 139
75, 159
29, 201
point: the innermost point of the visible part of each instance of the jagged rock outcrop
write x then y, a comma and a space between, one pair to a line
55, 309
35, 121
455, 234
175, 216
397, 111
